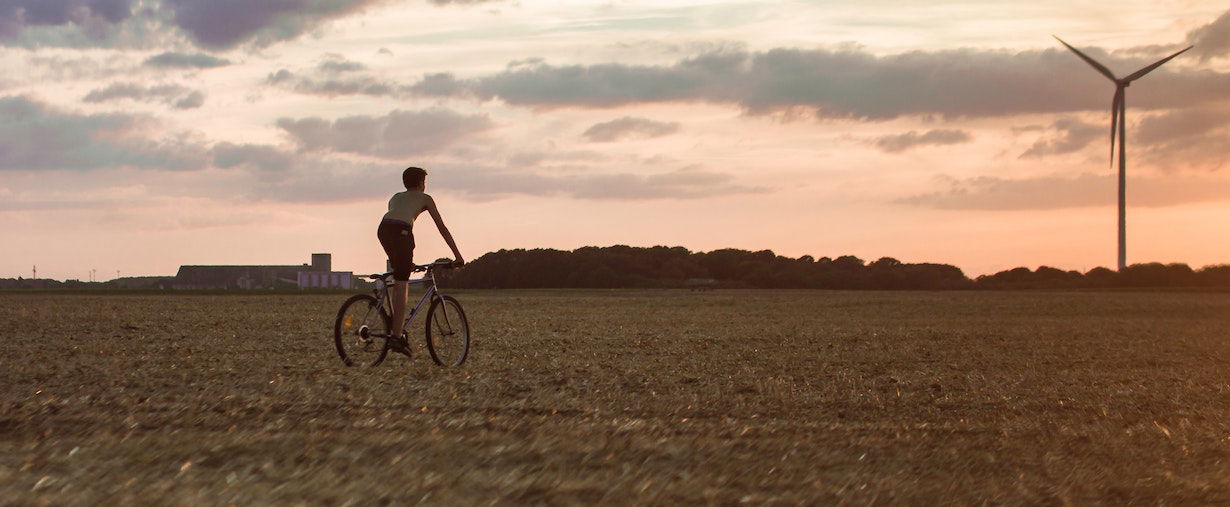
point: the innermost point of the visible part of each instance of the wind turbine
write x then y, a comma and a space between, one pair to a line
1118, 121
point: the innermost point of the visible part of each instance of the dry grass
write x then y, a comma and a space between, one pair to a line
625, 397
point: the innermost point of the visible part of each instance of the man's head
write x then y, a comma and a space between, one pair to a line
413, 177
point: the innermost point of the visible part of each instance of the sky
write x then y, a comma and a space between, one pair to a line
140, 135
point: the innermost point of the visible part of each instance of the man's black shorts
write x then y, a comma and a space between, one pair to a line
397, 238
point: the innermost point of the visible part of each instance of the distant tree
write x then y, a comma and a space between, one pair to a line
1214, 276
848, 262
1101, 277
662, 266
1156, 274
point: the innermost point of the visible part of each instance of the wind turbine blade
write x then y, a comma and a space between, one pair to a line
1100, 68
1136, 75
1115, 105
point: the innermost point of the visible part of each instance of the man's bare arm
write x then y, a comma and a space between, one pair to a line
448, 237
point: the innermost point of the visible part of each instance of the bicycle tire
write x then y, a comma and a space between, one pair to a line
347, 336
449, 342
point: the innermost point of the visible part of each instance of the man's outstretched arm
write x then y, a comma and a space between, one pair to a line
448, 237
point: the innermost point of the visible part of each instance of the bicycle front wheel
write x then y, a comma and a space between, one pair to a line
361, 331
448, 332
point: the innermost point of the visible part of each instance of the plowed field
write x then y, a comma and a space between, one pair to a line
661, 397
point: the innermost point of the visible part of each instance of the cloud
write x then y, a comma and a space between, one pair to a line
910, 140
63, 68
845, 82
489, 183
629, 128
1211, 40
395, 135
260, 157
91, 16
186, 60
35, 137
176, 96
213, 24
222, 24
1069, 135
333, 85
1059, 192
1183, 138
438, 85
338, 66
192, 100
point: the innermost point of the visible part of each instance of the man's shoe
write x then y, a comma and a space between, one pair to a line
400, 345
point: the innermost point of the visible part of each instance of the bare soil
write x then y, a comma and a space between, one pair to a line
659, 397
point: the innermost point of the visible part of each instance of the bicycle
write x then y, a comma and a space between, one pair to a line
361, 331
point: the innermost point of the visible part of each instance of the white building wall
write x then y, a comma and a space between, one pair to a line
326, 279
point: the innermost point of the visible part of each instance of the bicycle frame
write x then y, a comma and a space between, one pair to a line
386, 300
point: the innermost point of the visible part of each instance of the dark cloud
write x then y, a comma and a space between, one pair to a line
333, 84
89, 15
1192, 138
629, 128
221, 24
192, 100
1180, 125
909, 140
338, 66
260, 157
1211, 40
214, 24
1068, 135
1058, 192
438, 85
844, 83
176, 96
34, 136
186, 60
397, 134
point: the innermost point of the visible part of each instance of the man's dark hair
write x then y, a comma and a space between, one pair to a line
412, 177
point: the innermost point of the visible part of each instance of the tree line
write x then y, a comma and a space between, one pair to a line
624, 266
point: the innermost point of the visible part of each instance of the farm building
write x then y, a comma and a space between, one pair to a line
318, 274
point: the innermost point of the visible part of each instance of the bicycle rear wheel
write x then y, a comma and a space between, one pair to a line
448, 332
361, 331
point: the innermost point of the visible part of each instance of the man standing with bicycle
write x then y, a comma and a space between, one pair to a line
396, 235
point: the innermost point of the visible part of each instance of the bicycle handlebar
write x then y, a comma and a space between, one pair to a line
421, 267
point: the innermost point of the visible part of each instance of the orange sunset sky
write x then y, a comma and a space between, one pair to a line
139, 135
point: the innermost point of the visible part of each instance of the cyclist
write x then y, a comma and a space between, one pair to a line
397, 237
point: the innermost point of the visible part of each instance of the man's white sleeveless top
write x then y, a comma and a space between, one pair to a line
406, 206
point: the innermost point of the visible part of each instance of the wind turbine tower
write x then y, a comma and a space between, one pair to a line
1118, 122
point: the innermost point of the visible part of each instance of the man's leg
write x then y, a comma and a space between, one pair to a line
400, 291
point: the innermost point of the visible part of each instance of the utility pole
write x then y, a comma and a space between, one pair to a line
35, 271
